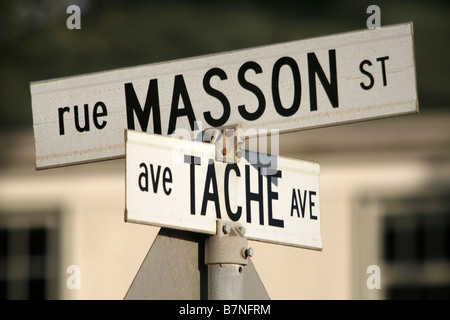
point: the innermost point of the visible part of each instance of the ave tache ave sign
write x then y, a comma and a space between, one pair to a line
177, 184
291, 86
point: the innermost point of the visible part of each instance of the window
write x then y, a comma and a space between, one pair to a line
28, 255
417, 238
408, 236
416, 249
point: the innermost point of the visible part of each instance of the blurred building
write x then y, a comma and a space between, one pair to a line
385, 202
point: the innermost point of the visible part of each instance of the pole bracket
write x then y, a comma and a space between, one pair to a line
229, 142
228, 245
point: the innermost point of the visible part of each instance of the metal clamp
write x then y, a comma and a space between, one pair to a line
228, 246
229, 142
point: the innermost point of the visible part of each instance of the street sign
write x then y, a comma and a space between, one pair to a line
177, 184
291, 86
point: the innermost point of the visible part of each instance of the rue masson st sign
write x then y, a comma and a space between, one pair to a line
291, 86
178, 184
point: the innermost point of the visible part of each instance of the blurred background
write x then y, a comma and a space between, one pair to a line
385, 184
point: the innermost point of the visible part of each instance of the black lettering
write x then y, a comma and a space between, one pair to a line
254, 89
251, 196
234, 216
155, 181
86, 119
97, 114
143, 177
61, 112
211, 196
294, 204
273, 196
367, 73
180, 90
216, 94
276, 90
193, 161
311, 204
302, 203
151, 104
383, 69
330, 86
167, 178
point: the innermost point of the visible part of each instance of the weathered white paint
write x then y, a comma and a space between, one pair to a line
392, 84
159, 192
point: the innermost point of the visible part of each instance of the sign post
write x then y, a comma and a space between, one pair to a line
226, 256
174, 268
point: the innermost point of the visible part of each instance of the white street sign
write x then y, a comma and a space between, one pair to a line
177, 184
291, 86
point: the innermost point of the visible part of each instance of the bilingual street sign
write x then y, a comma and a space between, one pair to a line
177, 184
290, 86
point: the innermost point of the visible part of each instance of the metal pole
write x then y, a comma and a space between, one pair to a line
226, 256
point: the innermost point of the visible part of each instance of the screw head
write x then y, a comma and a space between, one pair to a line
226, 229
249, 252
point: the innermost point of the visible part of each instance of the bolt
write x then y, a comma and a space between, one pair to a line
226, 229
241, 229
249, 252
239, 154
